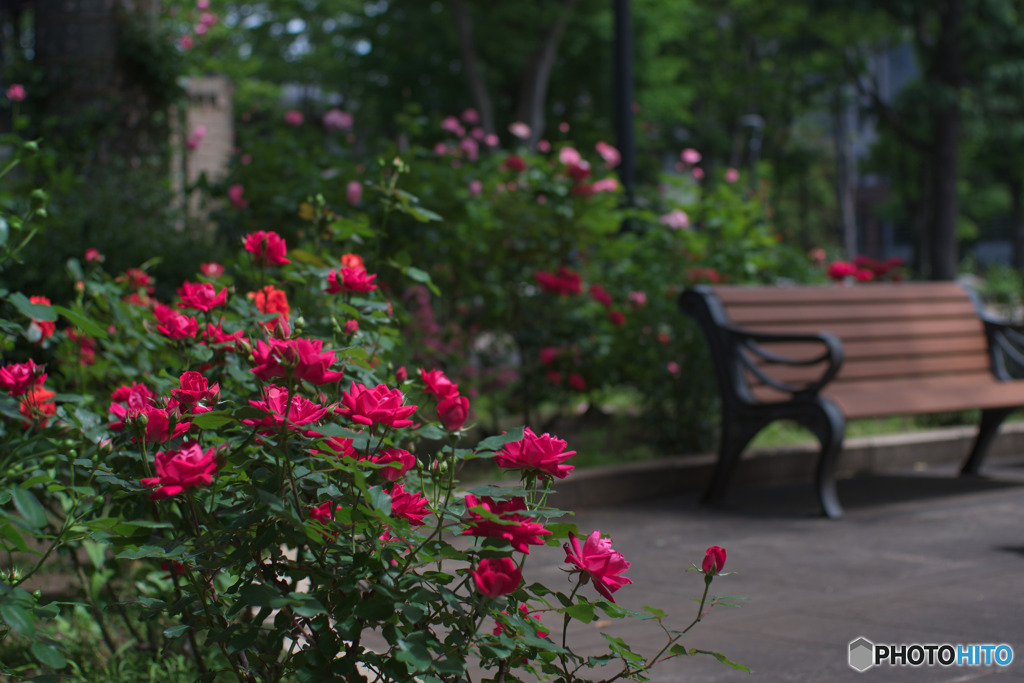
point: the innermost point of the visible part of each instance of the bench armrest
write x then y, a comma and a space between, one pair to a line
750, 346
1006, 347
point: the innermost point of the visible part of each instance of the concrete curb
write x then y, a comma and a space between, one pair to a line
617, 484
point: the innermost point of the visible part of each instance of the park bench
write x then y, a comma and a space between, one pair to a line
819, 355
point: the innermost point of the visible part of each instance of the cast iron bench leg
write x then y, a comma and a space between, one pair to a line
990, 421
829, 425
736, 434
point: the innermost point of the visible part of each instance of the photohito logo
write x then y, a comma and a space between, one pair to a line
864, 654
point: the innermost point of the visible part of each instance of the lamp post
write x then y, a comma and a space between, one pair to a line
756, 124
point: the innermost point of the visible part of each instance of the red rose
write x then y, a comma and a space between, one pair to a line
194, 388
18, 378
350, 280
497, 576
544, 454
178, 326
453, 411
437, 384
378, 405
184, 468
519, 530
267, 248
37, 404
296, 412
403, 458
201, 296
299, 358
597, 559
714, 561
46, 327
600, 295
410, 506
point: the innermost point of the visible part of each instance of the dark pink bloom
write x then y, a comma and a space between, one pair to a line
617, 318
378, 405
336, 119
545, 454
690, 156
519, 530
351, 280
178, 326
576, 381
410, 506
453, 411
339, 447
267, 248
354, 192
600, 295
301, 358
293, 117
16, 93
215, 334
403, 458
675, 219
201, 296
600, 563
235, 193
93, 256
563, 282
324, 512
731, 175
401, 374
351, 327
714, 561
17, 378
548, 355
497, 576
194, 389
514, 162
437, 384
296, 412
184, 468
839, 270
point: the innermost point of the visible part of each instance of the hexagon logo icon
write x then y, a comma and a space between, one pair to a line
862, 654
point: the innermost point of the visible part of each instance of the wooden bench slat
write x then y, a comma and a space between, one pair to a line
884, 329
887, 348
824, 315
861, 369
905, 291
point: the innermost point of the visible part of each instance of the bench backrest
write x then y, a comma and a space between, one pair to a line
887, 330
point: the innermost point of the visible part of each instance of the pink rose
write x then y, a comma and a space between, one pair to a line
690, 156
839, 270
389, 456
300, 358
731, 175
520, 130
600, 295
16, 93
714, 561
235, 193
452, 125
453, 411
576, 381
267, 248
295, 412
17, 378
201, 296
336, 119
599, 561
401, 374
184, 468
378, 405
354, 192
617, 318
211, 270
548, 355
611, 156
194, 388
437, 384
293, 117
93, 256
350, 280
410, 506
519, 530
178, 326
471, 117
545, 454
675, 219
497, 576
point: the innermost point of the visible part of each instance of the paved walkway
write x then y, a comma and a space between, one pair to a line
919, 558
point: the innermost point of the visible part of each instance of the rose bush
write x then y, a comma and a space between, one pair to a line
264, 493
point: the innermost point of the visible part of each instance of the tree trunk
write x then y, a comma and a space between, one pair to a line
846, 176
945, 151
471, 66
533, 90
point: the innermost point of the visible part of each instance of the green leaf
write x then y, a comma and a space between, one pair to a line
720, 657
380, 500
29, 508
582, 611
417, 274
660, 614
82, 322
19, 619
5, 231
176, 631
11, 534
212, 419
31, 310
493, 443
48, 655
